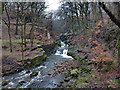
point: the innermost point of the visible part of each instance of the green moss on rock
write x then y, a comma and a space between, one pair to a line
35, 61
74, 72
81, 81
49, 49
5, 83
33, 74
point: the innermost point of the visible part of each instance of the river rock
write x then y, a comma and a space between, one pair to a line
28, 71
33, 74
5, 83
21, 82
67, 79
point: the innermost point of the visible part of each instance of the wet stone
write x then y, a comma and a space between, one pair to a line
28, 71
22, 82
33, 74
62, 82
67, 79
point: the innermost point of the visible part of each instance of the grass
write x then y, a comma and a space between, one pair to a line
17, 41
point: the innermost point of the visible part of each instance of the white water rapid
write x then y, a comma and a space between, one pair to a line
62, 51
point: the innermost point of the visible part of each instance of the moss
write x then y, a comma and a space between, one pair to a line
75, 57
33, 74
83, 58
25, 49
5, 83
49, 49
110, 62
18, 86
72, 47
1, 73
85, 69
104, 70
80, 83
58, 43
74, 72
118, 43
67, 79
116, 80
100, 79
35, 61
118, 48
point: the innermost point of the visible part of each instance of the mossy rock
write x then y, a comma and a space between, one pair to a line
74, 72
4, 83
67, 79
49, 49
118, 43
109, 62
25, 49
100, 79
85, 69
58, 42
18, 86
81, 81
104, 70
42, 57
116, 80
83, 58
33, 74
35, 61
118, 47
1, 74
72, 47
76, 57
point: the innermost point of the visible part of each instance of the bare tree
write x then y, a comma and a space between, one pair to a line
112, 16
8, 25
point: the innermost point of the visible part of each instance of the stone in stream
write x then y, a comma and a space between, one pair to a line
28, 71
49, 74
21, 82
33, 74
62, 82
5, 83
67, 79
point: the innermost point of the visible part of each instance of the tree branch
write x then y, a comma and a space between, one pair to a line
112, 17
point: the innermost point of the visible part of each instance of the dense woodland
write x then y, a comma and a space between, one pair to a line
31, 35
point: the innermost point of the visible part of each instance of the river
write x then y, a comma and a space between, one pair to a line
24, 79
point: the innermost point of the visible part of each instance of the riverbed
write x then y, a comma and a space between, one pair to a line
43, 76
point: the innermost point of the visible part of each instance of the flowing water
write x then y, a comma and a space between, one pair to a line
24, 79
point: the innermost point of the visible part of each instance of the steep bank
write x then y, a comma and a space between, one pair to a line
95, 49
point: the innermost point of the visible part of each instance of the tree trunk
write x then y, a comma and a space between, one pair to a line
112, 17
17, 20
24, 33
8, 24
22, 42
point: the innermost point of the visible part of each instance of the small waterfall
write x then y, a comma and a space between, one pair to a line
62, 51
65, 52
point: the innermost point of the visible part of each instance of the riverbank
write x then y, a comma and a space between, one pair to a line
50, 74
98, 60
13, 62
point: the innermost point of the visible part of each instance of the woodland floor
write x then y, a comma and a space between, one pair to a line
93, 46
10, 61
